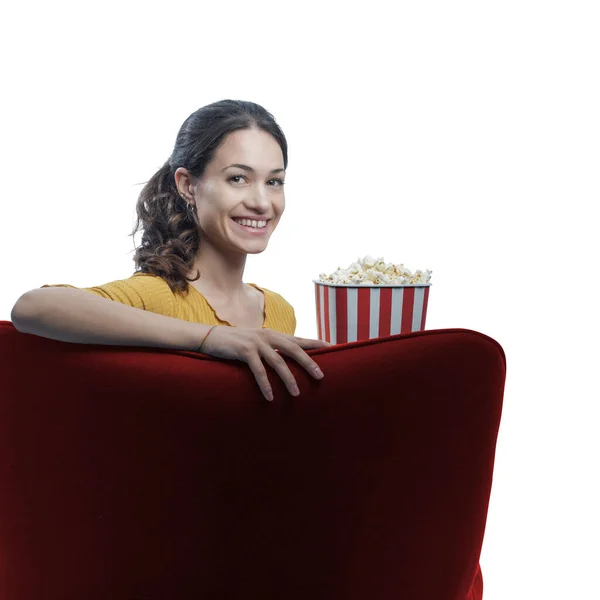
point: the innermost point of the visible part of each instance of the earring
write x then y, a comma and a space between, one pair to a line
189, 204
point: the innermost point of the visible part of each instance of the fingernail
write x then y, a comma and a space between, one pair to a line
295, 391
318, 373
269, 396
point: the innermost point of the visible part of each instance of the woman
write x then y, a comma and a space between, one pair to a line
217, 198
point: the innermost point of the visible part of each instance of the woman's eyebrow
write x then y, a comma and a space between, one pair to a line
247, 168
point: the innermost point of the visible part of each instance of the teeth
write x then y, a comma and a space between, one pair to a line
253, 224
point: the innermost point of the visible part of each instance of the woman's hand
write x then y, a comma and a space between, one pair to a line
251, 345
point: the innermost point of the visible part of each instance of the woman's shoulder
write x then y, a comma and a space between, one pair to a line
141, 290
147, 279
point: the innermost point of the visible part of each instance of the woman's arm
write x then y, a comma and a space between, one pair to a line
80, 317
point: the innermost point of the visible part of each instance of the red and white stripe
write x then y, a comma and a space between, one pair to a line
347, 313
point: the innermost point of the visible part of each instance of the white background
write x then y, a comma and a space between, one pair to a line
462, 137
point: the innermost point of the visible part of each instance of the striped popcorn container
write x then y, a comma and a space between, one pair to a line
350, 313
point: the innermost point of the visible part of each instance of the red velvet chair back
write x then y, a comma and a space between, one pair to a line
149, 474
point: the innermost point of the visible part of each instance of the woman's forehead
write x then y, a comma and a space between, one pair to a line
256, 149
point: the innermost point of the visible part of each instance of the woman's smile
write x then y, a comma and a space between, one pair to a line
254, 231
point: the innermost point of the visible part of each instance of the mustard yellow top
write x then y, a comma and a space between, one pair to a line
152, 293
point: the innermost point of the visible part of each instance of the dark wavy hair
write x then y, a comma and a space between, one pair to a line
170, 237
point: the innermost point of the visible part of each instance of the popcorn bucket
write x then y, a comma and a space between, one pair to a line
356, 312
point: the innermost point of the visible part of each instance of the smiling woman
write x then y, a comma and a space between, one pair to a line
217, 198
229, 162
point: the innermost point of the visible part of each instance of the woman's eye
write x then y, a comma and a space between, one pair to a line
280, 182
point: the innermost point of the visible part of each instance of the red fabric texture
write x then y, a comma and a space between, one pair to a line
151, 474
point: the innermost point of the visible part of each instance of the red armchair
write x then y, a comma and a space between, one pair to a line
151, 474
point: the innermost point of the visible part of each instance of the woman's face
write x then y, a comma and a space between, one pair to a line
253, 189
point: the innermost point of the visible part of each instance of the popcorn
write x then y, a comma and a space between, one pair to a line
368, 271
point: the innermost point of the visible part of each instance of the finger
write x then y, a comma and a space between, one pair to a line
310, 344
295, 351
260, 374
279, 364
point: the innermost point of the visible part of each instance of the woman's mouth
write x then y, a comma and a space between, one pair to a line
253, 230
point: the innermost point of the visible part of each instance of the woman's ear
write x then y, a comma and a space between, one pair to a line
183, 181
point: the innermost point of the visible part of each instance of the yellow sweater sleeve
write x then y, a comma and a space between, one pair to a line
142, 290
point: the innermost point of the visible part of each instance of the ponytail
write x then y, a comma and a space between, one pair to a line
171, 238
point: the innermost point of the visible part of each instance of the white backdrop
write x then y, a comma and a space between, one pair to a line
462, 137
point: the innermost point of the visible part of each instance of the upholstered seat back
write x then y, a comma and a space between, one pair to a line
146, 474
